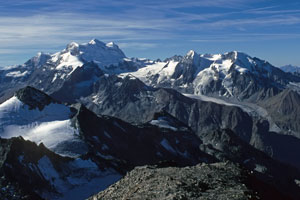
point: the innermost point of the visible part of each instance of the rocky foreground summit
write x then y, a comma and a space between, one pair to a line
220, 181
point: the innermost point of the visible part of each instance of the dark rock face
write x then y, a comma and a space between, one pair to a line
128, 146
203, 181
284, 109
34, 98
20, 179
79, 84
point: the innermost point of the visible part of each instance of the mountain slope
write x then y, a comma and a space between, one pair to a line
284, 109
131, 100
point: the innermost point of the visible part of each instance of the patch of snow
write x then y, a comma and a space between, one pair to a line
184, 154
260, 168
212, 57
10, 67
84, 180
96, 139
247, 160
47, 170
107, 135
167, 146
144, 73
21, 158
104, 147
16, 74
119, 126
162, 124
54, 78
80, 163
118, 84
107, 157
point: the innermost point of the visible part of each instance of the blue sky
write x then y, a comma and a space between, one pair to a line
267, 29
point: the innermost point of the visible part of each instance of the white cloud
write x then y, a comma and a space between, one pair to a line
137, 45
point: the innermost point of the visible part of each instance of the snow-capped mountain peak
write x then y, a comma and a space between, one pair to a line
191, 54
72, 47
112, 45
232, 74
95, 42
75, 55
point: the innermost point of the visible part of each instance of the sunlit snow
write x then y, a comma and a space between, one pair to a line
50, 126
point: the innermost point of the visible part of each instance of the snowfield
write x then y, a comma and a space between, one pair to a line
50, 126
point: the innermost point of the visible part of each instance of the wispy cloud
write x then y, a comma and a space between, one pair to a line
259, 21
35, 24
253, 37
137, 45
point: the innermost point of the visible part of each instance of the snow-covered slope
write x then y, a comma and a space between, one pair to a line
83, 178
154, 73
50, 126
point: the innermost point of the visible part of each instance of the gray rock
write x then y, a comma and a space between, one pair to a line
220, 181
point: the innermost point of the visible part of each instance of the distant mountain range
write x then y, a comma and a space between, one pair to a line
290, 68
94, 115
